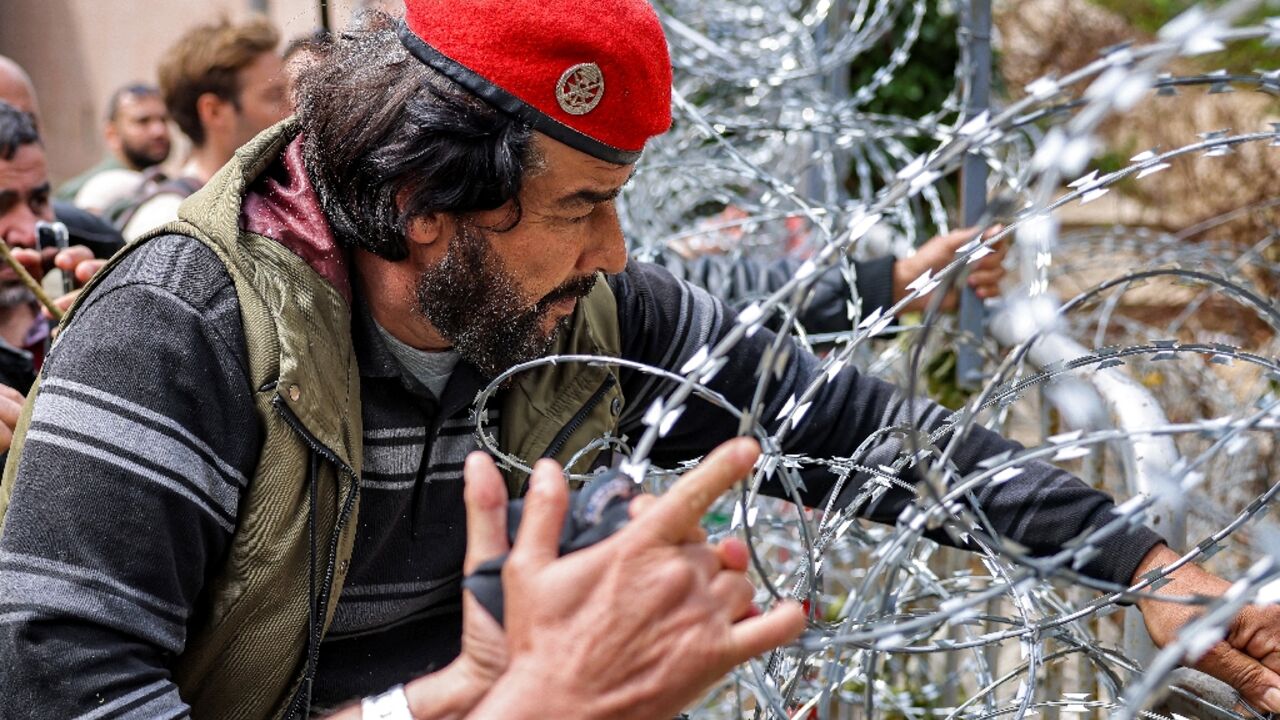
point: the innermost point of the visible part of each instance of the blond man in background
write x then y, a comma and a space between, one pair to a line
222, 83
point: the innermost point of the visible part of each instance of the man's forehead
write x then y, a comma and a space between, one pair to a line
141, 104
15, 86
25, 171
565, 173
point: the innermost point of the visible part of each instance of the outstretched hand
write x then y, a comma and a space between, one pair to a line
636, 626
639, 625
1248, 658
984, 275
76, 261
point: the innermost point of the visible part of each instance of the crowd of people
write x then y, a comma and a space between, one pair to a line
244, 481
220, 84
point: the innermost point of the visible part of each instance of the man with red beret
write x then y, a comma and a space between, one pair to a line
239, 491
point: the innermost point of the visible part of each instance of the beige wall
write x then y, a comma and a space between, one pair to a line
79, 51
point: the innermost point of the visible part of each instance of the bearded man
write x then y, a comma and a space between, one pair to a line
136, 133
239, 490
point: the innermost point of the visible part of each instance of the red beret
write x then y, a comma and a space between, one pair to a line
593, 74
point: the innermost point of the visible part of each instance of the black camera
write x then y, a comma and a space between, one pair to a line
54, 236
596, 511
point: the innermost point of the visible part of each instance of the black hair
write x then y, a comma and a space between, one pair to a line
318, 41
388, 140
17, 128
139, 90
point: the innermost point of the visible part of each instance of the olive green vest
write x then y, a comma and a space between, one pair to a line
245, 649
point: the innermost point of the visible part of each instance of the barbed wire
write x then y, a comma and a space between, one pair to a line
772, 154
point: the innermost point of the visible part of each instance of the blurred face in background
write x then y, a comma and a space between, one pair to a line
24, 201
24, 197
138, 135
263, 100
16, 88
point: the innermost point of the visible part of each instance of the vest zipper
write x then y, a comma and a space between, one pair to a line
344, 514
562, 437
296, 425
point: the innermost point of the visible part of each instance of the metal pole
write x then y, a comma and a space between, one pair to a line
973, 190
1146, 459
324, 15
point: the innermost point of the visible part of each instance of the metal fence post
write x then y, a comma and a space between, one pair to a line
1146, 459
973, 190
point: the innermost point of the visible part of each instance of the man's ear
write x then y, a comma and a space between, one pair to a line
112, 137
427, 230
423, 230
212, 111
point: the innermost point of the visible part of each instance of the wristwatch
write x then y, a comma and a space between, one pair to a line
390, 705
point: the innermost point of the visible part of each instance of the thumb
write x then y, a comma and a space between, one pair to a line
485, 495
1255, 683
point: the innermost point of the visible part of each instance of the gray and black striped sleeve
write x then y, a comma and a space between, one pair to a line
741, 280
666, 321
127, 491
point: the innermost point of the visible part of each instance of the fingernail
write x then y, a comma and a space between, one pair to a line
1271, 699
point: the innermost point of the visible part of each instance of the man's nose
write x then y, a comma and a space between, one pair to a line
22, 233
607, 250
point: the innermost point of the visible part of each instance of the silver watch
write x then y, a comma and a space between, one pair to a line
390, 705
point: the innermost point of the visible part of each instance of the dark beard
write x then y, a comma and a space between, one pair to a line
141, 159
13, 293
474, 302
